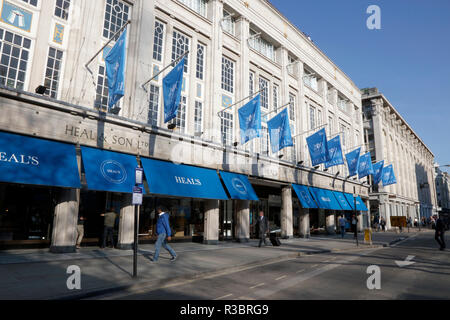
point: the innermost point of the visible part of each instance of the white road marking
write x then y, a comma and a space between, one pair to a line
258, 285
228, 295
314, 266
282, 277
301, 270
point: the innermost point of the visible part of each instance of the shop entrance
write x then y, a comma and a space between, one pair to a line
226, 217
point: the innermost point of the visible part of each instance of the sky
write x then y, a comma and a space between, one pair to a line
408, 59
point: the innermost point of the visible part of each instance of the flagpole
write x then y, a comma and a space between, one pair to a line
218, 113
164, 69
106, 44
284, 105
300, 134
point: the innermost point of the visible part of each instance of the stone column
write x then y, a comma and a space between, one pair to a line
211, 229
303, 223
65, 222
243, 220
287, 229
330, 223
126, 223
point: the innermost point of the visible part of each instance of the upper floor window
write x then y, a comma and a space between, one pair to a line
32, 2
180, 45
15, 52
200, 61
291, 64
153, 108
251, 83
158, 41
262, 46
312, 117
276, 91
291, 107
226, 126
342, 103
310, 80
227, 75
198, 116
180, 119
53, 71
198, 6
62, 9
101, 99
228, 23
116, 15
264, 86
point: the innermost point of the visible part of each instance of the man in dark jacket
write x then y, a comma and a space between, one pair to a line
163, 231
439, 232
262, 226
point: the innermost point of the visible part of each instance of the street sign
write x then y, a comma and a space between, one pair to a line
137, 196
139, 176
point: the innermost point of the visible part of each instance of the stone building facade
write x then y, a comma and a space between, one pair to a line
442, 190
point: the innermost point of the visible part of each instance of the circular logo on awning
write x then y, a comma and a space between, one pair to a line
113, 171
239, 186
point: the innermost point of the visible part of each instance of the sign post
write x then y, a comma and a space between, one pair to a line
137, 202
356, 216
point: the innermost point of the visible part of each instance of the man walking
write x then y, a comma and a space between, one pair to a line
262, 225
439, 232
164, 233
342, 223
108, 229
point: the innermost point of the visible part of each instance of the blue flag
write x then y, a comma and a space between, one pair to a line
250, 120
335, 151
353, 161
388, 176
280, 131
365, 166
172, 85
378, 172
318, 147
115, 70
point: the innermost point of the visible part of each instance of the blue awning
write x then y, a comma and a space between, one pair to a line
325, 199
304, 196
360, 206
37, 161
108, 170
238, 186
167, 178
342, 201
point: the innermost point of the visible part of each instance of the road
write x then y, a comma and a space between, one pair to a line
340, 275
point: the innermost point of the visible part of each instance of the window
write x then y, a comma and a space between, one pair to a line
228, 23
319, 117
264, 86
101, 100
116, 15
312, 117
291, 61
32, 2
180, 120
198, 116
291, 107
52, 72
342, 103
62, 9
310, 80
158, 41
198, 6
261, 45
180, 45
226, 122
343, 130
227, 75
264, 140
251, 83
15, 52
200, 61
276, 90
153, 107
330, 126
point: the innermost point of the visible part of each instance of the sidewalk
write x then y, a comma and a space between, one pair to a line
39, 274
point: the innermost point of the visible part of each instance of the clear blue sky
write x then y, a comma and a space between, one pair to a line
408, 59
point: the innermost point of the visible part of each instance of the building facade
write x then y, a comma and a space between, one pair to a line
234, 49
442, 190
390, 138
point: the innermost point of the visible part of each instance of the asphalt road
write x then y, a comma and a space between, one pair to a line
341, 275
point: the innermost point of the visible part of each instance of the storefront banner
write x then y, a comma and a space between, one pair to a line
365, 167
250, 120
115, 70
360, 206
304, 196
238, 186
166, 178
318, 147
172, 85
325, 199
353, 161
335, 151
388, 176
280, 132
108, 170
38, 162
342, 201
378, 172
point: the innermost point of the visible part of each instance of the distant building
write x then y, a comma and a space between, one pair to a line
443, 190
390, 138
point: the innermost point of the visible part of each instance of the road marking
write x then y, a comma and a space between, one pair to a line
282, 277
314, 266
228, 295
258, 285
245, 298
405, 263
301, 270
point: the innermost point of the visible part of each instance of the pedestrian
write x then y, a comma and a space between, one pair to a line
383, 224
355, 226
108, 226
164, 234
80, 230
342, 223
262, 226
376, 223
439, 232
